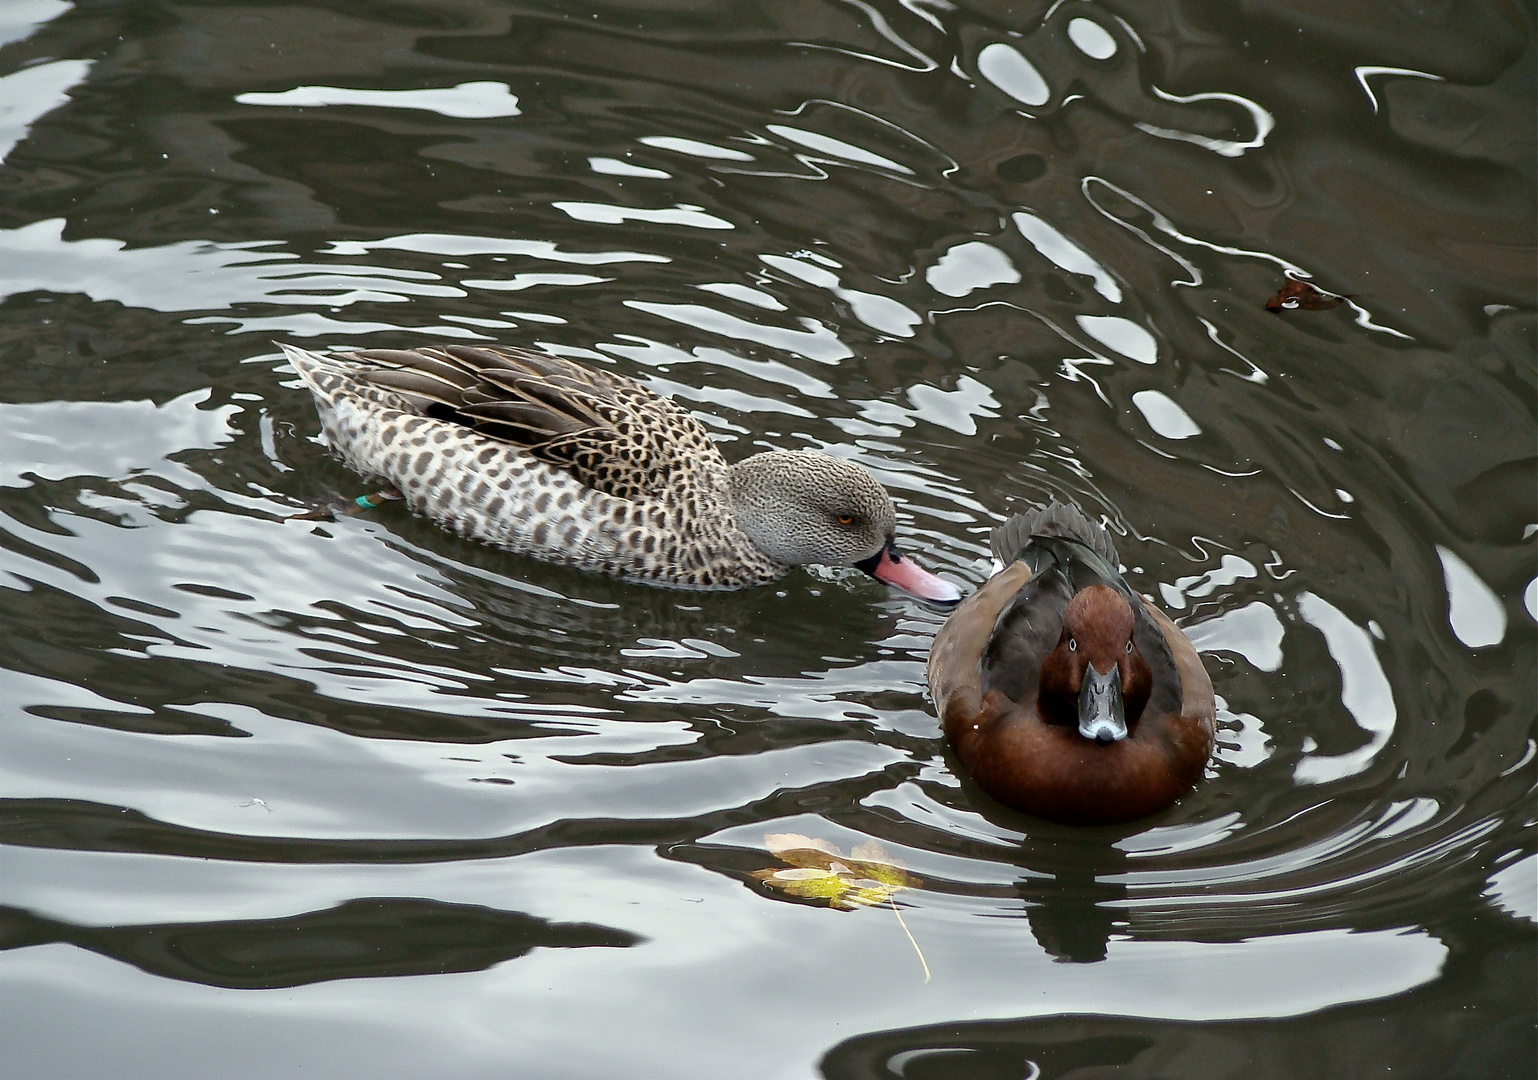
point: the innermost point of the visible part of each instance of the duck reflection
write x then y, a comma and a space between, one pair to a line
1074, 913
360, 939
1072, 879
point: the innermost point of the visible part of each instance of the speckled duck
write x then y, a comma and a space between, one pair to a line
542, 456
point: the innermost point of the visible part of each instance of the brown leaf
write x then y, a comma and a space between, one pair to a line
1300, 295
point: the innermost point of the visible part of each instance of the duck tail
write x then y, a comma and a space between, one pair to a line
335, 379
326, 378
350, 409
1059, 520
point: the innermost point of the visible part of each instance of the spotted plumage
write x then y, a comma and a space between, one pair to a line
542, 456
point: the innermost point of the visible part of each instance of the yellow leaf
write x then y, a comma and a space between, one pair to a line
820, 871
817, 870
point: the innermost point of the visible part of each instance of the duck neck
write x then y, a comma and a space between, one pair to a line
1058, 691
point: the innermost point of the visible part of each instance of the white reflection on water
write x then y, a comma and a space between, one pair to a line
519, 282
1052, 244
1240, 880
1091, 39
954, 409
1253, 631
1406, 815
18, 18
1005, 68
1477, 615
457, 244
482, 1020
656, 354
310, 324
608, 166
1367, 71
878, 22
114, 439
970, 266
200, 275
827, 150
1164, 415
815, 341
1364, 691
1230, 568
1275, 976
1263, 120
29, 94
1514, 889
193, 275
470, 100
1174, 839
684, 648
826, 144
694, 148
1121, 335
1242, 740
1254, 374
880, 313
685, 214
317, 782
270, 581
743, 293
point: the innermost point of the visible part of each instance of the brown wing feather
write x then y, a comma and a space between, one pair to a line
611, 433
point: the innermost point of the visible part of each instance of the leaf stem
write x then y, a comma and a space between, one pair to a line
911, 938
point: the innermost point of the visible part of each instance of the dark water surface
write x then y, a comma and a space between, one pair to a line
284, 798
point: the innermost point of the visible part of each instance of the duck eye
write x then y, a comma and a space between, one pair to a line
1073, 646
846, 519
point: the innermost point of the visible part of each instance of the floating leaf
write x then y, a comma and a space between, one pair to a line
817, 870
821, 872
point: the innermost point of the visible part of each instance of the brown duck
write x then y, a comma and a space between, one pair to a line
1064, 694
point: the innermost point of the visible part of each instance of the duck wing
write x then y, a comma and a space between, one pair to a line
1026, 630
609, 432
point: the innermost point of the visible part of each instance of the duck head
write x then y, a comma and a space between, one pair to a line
802, 506
1096, 680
